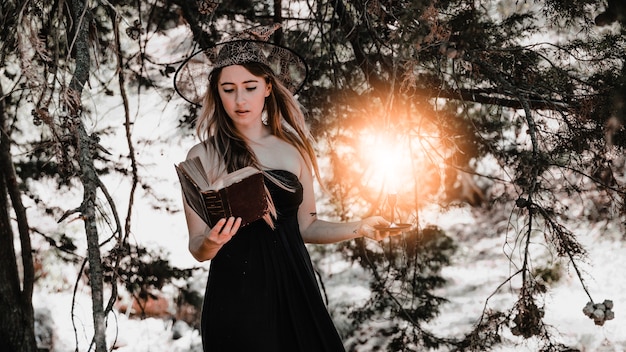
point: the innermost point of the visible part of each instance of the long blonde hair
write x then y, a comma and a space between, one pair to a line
285, 120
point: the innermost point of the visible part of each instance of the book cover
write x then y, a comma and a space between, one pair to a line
240, 194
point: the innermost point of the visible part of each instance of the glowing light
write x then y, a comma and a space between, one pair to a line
388, 157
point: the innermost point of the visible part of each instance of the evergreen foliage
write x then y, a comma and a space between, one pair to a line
405, 272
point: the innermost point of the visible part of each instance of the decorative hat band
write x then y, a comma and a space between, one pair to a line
192, 77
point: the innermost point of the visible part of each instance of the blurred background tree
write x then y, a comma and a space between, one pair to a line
515, 105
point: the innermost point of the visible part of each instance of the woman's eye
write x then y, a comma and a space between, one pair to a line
228, 90
250, 88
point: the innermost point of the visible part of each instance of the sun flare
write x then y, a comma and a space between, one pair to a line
387, 157
399, 163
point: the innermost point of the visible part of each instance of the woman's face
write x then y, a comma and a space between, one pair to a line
243, 94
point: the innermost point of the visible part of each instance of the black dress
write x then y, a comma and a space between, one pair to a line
262, 294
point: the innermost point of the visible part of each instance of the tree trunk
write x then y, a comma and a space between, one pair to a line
81, 16
17, 331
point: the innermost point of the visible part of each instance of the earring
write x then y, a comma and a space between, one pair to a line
264, 117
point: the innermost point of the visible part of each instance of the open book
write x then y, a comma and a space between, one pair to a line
240, 193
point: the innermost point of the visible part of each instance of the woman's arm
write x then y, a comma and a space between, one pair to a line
319, 231
205, 242
322, 232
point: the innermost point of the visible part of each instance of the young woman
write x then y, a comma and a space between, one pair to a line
262, 294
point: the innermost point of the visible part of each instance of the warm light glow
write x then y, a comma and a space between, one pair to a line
401, 163
377, 158
388, 157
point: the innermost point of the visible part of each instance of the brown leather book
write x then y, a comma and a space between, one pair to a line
240, 194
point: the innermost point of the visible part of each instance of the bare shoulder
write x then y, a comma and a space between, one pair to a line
206, 153
280, 154
196, 151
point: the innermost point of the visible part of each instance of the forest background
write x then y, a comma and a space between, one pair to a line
508, 112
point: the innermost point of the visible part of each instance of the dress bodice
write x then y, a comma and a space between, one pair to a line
288, 200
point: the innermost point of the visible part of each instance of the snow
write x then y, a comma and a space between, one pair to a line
478, 268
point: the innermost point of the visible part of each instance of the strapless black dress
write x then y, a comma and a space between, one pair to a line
262, 294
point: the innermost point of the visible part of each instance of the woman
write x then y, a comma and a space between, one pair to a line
262, 294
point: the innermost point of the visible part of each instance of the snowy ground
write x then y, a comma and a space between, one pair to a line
479, 267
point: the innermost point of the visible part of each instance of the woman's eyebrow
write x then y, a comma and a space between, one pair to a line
244, 82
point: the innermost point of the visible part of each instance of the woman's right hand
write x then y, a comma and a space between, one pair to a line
223, 231
204, 244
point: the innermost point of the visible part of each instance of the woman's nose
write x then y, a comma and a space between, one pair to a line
239, 97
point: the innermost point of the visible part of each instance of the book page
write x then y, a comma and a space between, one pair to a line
234, 177
192, 194
193, 168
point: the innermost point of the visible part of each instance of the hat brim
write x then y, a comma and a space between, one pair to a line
192, 76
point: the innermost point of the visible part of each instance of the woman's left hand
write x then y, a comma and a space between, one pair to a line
368, 228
